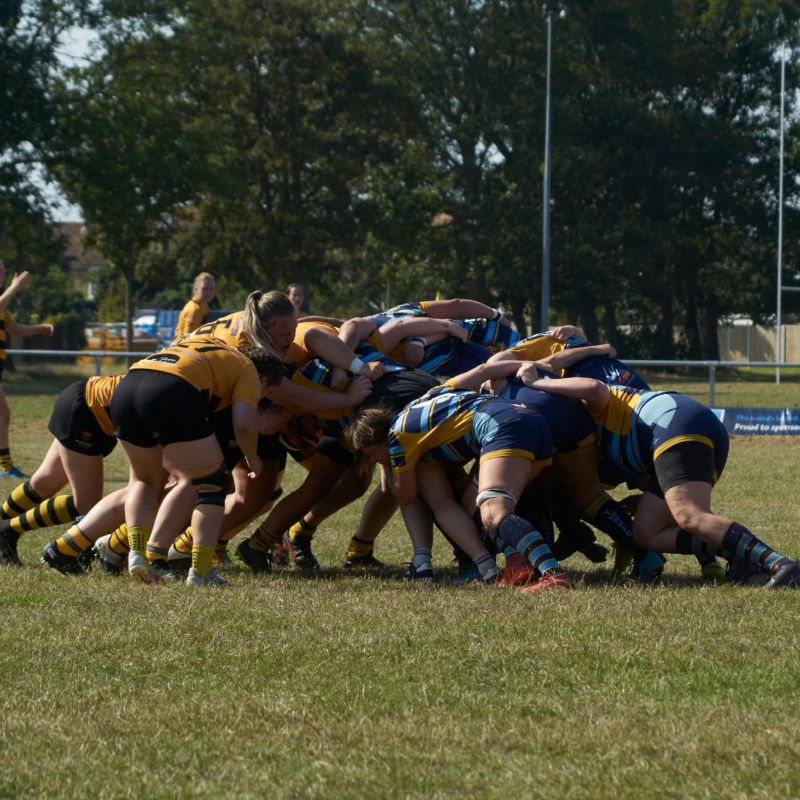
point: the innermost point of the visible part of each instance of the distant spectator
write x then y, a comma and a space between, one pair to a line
294, 291
10, 328
195, 312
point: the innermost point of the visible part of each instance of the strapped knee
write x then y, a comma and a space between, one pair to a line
212, 488
488, 494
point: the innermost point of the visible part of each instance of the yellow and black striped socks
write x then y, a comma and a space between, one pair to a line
55, 511
6, 462
118, 543
155, 553
73, 542
21, 499
183, 544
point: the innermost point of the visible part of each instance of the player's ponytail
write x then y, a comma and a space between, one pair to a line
260, 311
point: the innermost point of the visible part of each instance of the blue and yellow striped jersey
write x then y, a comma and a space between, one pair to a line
637, 426
569, 421
617, 436
403, 310
451, 357
489, 333
608, 370
438, 427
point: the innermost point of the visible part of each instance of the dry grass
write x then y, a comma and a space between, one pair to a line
345, 687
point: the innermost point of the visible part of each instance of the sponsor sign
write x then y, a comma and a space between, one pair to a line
760, 421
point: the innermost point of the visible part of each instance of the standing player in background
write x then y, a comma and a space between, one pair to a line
195, 312
294, 291
10, 328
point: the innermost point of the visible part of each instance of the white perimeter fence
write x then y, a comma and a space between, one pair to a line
711, 366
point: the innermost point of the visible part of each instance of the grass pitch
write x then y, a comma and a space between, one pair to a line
351, 687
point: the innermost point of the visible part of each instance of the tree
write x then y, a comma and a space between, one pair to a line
125, 154
29, 35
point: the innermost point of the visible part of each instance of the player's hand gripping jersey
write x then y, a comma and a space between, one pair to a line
603, 368
450, 356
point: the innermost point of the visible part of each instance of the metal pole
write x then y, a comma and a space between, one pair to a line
545, 299
712, 384
778, 332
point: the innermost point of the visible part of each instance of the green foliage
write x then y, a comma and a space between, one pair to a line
25, 57
378, 152
50, 297
29, 36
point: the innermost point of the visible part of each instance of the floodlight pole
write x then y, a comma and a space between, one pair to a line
550, 10
779, 354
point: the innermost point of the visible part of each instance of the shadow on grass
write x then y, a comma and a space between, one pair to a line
447, 577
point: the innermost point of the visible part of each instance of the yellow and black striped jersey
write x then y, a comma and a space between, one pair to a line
98, 393
220, 372
5, 321
227, 329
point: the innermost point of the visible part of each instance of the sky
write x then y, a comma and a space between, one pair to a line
73, 48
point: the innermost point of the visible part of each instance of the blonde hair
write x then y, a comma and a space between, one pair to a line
203, 276
370, 426
260, 311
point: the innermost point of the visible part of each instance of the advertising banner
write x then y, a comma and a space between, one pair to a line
760, 421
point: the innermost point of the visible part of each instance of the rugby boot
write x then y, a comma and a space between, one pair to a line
785, 575
422, 573
300, 551
649, 568
550, 580
517, 571
109, 561
280, 555
258, 561
363, 563
212, 579
8, 545
55, 559
713, 572
139, 567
